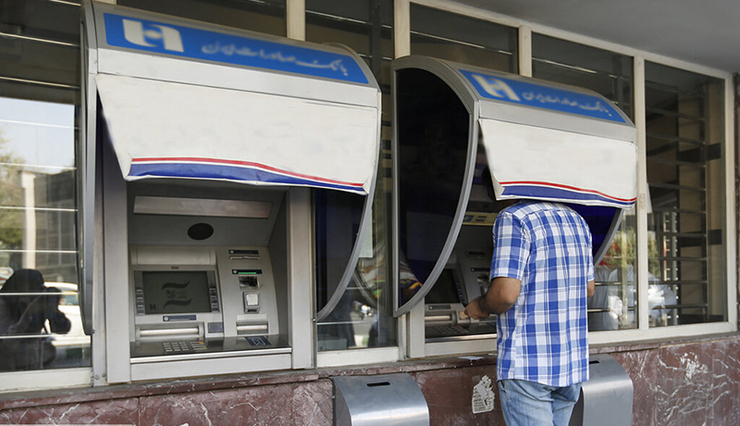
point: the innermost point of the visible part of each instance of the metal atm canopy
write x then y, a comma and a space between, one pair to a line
541, 140
188, 100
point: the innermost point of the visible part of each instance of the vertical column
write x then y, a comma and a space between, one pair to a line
295, 19
642, 195
115, 271
300, 271
525, 51
731, 176
401, 28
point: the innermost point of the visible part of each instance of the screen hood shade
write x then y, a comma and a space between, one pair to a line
173, 130
554, 165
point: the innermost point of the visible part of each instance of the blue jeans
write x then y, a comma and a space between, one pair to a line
533, 404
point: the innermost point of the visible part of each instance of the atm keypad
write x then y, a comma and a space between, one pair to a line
448, 330
183, 347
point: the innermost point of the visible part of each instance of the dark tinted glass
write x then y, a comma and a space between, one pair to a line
444, 290
264, 16
433, 134
337, 222
462, 39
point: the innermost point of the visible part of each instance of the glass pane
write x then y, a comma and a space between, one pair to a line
337, 222
39, 299
685, 155
604, 72
40, 324
463, 39
264, 16
614, 304
433, 135
363, 317
44, 64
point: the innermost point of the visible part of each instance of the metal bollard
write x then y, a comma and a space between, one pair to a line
390, 399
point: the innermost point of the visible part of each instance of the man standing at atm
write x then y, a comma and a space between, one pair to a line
541, 275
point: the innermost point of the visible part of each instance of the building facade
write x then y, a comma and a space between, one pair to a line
666, 303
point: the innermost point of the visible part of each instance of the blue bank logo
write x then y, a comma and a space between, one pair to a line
152, 35
540, 96
194, 43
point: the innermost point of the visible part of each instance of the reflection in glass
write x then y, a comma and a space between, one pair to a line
614, 304
463, 39
38, 297
264, 16
685, 171
363, 317
604, 72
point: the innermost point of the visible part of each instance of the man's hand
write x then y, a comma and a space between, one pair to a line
474, 311
499, 298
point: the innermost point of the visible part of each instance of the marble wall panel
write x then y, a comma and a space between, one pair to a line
684, 385
116, 411
259, 406
641, 366
449, 395
725, 400
313, 403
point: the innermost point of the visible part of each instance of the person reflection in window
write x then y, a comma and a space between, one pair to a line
25, 307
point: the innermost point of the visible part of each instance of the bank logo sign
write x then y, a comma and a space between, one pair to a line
194, 43
153, 35
540, 96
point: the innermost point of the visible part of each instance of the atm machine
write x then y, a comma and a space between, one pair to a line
203, 149
459, 130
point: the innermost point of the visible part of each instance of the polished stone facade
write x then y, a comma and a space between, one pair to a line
675, 383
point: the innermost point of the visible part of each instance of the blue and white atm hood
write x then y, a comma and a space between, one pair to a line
548, 141
184, 99
540, 140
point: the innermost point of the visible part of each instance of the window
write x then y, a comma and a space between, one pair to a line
614, 305
264, 16
685, 172
41, 322
463, 39
363, 317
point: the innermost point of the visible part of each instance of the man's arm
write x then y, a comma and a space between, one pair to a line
591, 288
501, 296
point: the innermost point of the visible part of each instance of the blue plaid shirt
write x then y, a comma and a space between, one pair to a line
543, 337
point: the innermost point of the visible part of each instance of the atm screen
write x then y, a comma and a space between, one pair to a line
444, 290
167, 292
